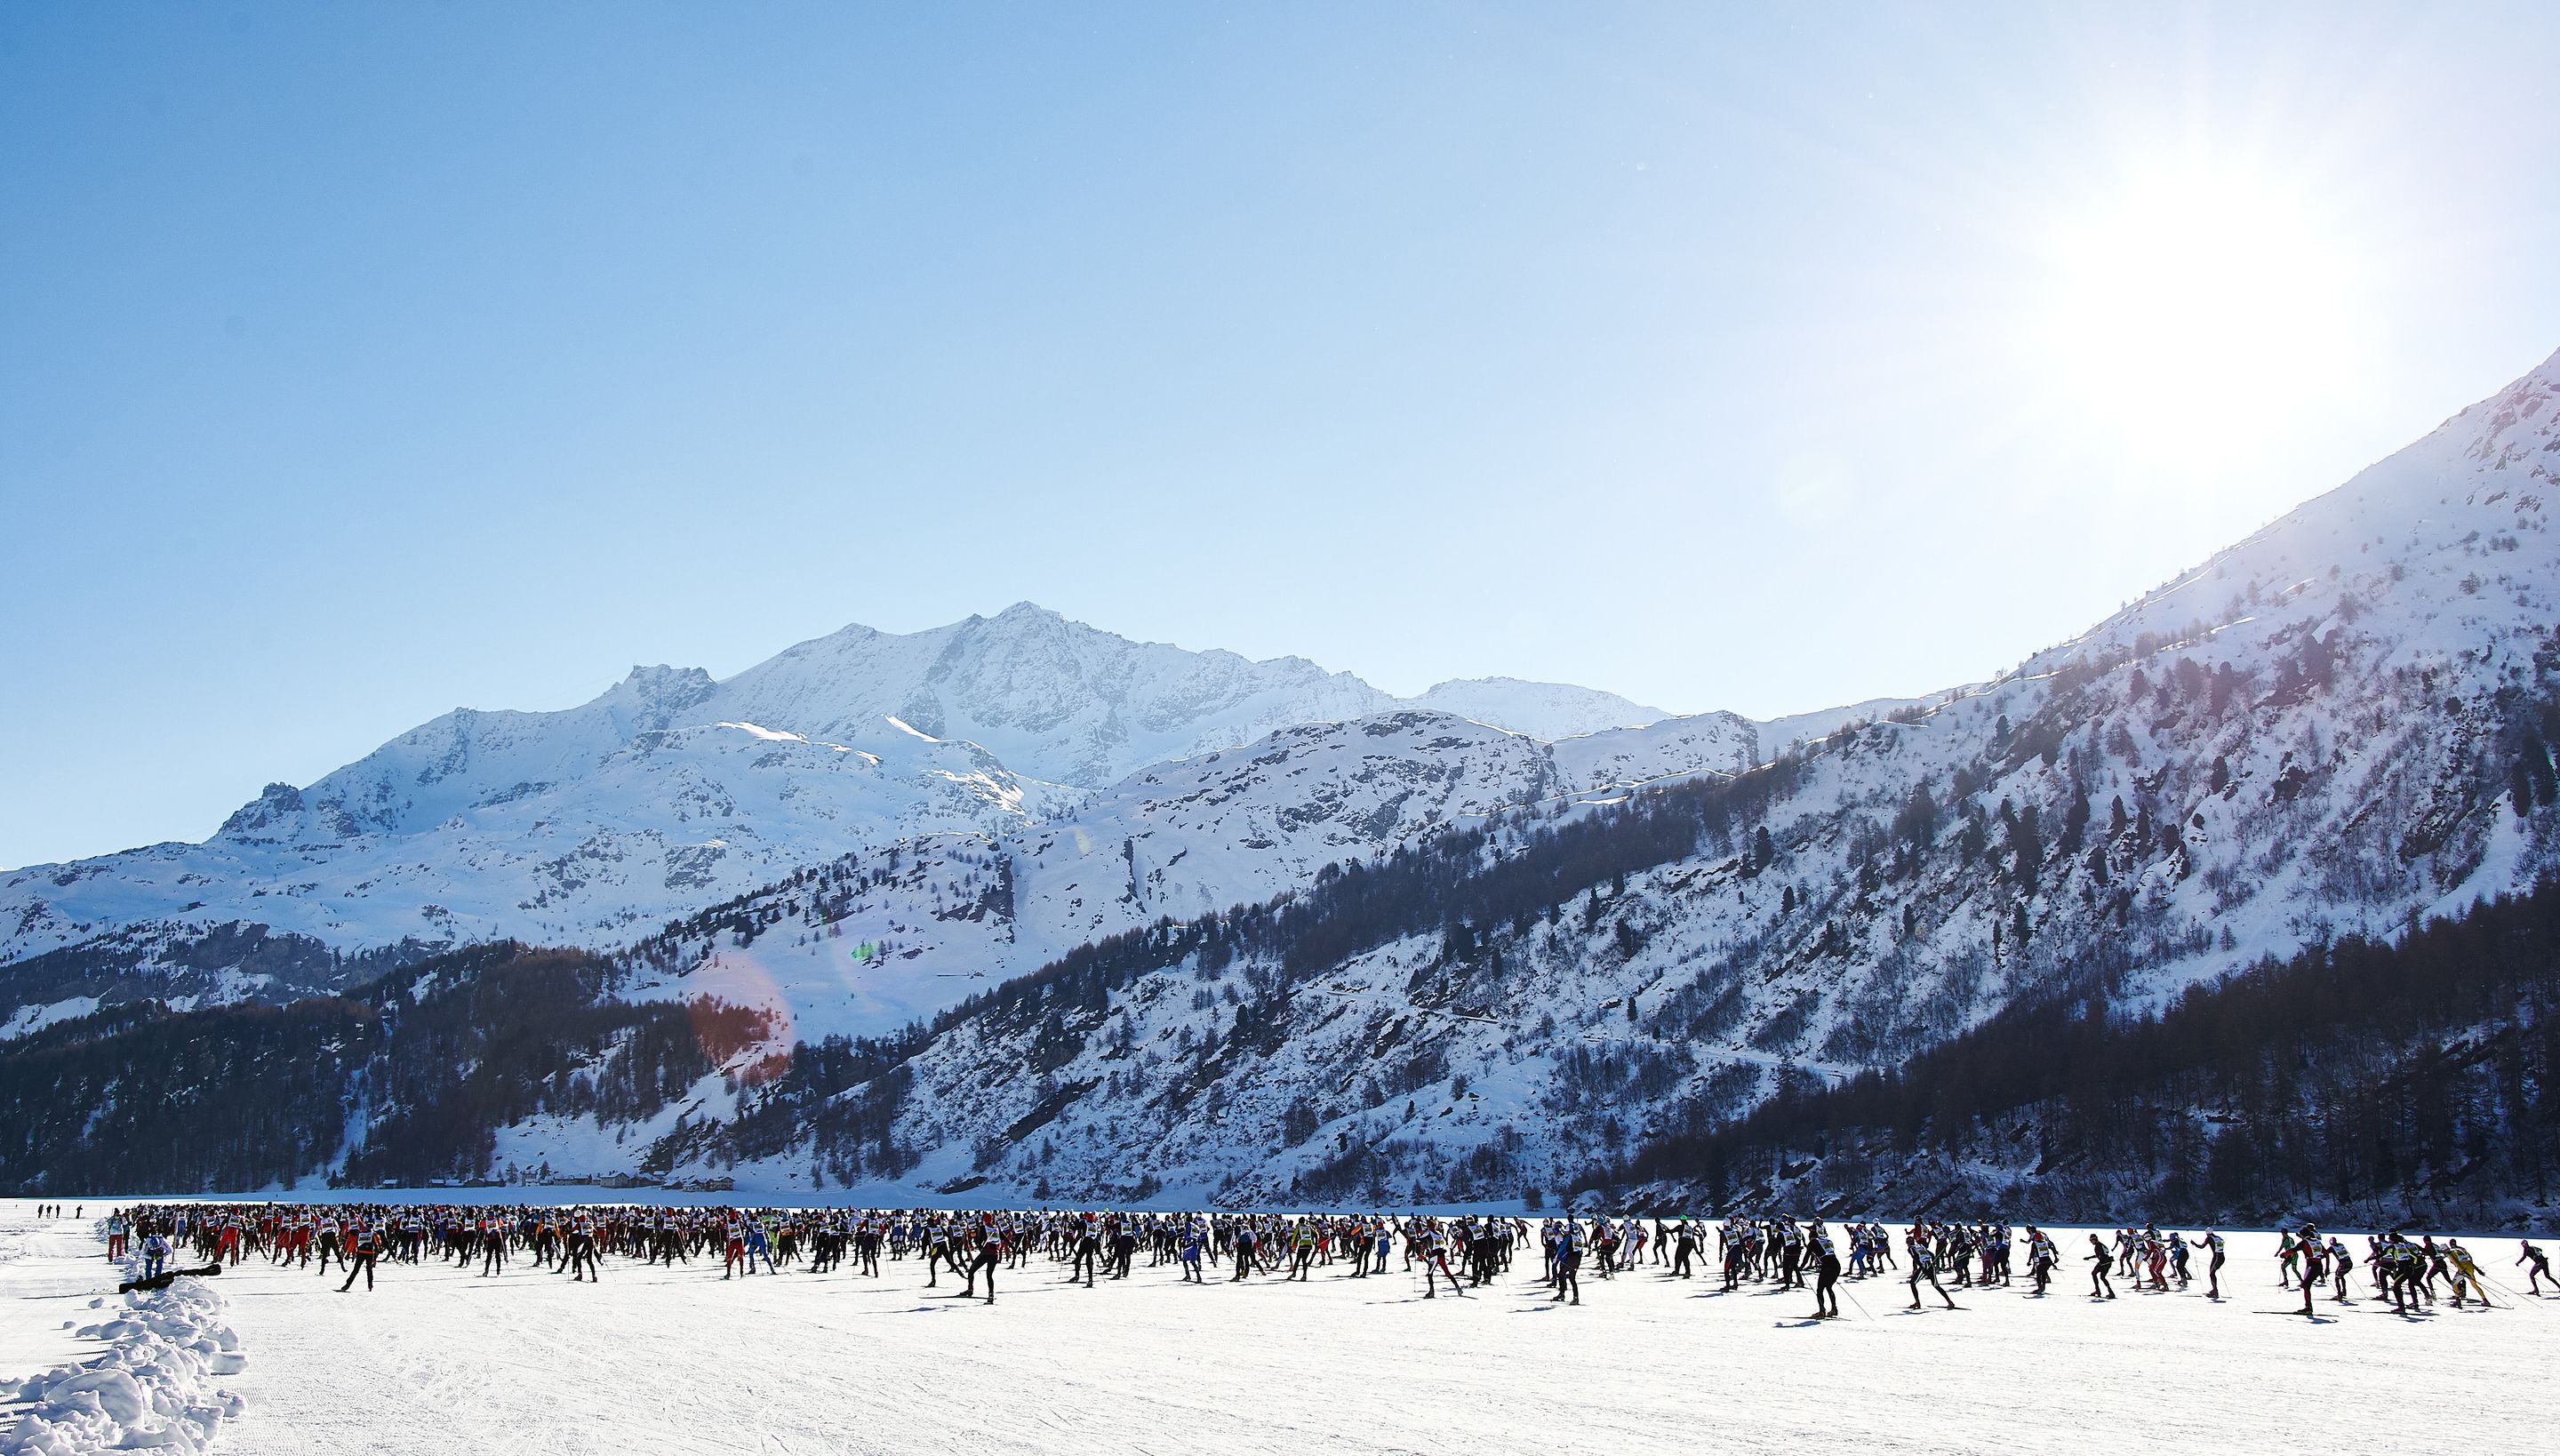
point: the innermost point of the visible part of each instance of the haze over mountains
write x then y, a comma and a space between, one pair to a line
1327, 946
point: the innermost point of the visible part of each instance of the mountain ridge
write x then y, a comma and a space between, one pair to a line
1447, 962
671, 790
2340, 726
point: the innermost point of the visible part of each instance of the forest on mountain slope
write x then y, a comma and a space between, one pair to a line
406, 1079
413, 1077
2365, 1081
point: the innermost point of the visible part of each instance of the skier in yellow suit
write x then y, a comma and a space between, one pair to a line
2465, 1271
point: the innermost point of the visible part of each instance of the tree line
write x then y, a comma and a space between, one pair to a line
2367, 1077
409, 1075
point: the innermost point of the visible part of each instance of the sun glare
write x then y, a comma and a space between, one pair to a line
2194, 310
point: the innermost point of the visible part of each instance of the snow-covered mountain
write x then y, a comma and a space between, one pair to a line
2340, 725
1540, 709
589, 826
671, 792
873, 941
1778, 735
1404, 956
1050, 697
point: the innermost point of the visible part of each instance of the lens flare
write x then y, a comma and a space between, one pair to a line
742, 1016
2194, 308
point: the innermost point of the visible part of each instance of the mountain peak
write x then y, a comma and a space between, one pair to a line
274, 804
1541, 710
659, 678
654, 697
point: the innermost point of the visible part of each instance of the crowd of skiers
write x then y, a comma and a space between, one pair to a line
1464, 1252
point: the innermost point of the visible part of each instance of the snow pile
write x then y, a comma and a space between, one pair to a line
153, 1389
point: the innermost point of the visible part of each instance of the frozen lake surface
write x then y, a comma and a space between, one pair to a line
657, 1359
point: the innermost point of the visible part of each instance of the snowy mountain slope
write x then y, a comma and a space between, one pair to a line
938, 918
671, 792
1659, 752
1776, 735
1540, 709
1052, 698
1200, 834
669, 819
2341, 724
1467, 963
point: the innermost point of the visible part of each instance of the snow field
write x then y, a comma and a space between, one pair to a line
148, 1378
678, 1360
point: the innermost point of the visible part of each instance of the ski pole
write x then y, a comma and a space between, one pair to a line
2518, 1301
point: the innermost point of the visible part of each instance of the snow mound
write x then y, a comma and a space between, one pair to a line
153, 1389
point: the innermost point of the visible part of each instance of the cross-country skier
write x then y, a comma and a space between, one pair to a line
2099, 1259
1827, 1272
1568, 1264
990, 1253
582, 1266
2540, 1269
2041, 1256
1195, 1243
364, 1246
1924, 1265
2465, 1271
2213, 1266
2314, 1260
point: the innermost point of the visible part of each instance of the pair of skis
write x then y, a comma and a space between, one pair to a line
166, 1278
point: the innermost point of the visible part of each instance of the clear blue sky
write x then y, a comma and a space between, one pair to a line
362, 361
